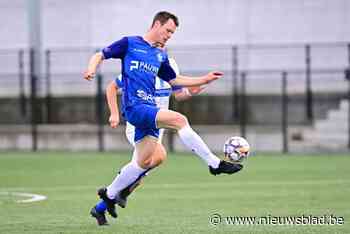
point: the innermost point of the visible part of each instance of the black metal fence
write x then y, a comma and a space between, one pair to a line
250, 77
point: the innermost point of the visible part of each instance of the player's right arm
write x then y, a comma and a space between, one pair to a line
116, 50
94, 62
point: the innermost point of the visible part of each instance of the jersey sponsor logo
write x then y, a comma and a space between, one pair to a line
144, 96
144, 67
141, 51
134, 65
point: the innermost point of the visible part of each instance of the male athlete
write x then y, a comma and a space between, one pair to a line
163, 92
142, 61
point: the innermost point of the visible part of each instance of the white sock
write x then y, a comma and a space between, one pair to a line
194, 142
128, 174
134, 156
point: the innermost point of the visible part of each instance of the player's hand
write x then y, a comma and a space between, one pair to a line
214, 75
114, 120
89, 75
194, 90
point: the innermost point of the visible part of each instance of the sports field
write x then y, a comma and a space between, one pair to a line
179, 197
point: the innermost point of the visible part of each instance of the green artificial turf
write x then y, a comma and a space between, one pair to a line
178, 197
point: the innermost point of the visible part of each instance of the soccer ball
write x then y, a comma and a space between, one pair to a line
236, 149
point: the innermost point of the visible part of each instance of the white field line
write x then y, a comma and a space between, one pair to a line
191, 185
31, 197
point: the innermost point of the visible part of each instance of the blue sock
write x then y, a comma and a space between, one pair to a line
101, 207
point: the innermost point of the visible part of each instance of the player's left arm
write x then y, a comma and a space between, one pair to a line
167, 73
191, 81
183, 93
180, 93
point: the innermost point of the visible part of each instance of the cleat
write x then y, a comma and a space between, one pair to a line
121, 200
102, 193
122, 197
226, 168
100, 217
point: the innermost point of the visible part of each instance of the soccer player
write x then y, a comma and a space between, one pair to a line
163, 92
142, 61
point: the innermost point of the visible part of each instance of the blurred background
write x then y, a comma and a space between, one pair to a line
286, 86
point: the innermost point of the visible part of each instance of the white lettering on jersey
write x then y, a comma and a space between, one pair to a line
145, 67
143, 95
135, 65
148, 67
141, 51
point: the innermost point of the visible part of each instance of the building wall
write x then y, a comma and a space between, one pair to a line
203, 41
97, 23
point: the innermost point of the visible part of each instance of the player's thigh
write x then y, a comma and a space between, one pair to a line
170, 119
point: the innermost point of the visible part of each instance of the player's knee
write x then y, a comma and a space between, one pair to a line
181, 121
161, 157
145, 163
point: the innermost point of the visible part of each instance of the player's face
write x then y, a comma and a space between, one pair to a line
165, 31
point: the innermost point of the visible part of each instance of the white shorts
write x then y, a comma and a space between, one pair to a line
130, 134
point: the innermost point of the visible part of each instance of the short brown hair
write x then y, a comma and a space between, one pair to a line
164, 16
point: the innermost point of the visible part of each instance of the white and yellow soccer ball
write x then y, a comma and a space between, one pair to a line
236, 149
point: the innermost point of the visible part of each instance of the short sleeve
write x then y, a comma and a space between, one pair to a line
176, 69
176, 88
166, 72
117, 49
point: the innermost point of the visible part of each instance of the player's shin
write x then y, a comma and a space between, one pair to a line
122, 196
128, 174
194, 142
158, 157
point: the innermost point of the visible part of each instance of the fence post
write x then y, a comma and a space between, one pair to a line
243, 105
33, 100
349, 108
347, 76
309, 98
99, 112
235, 96
22, 97
284, 112
48, 99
